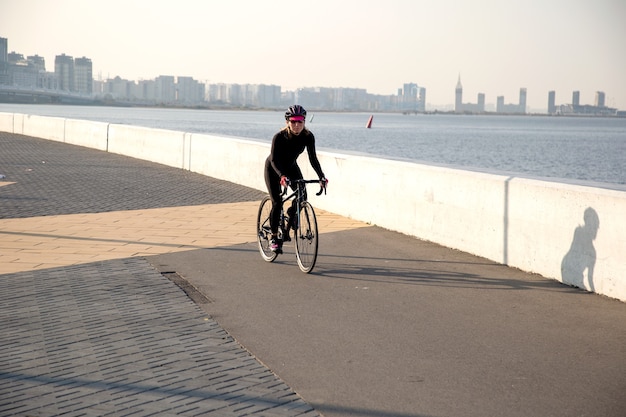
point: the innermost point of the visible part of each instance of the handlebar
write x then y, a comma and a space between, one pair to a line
322, 188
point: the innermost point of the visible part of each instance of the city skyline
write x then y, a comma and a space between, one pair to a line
497, 49
74, 75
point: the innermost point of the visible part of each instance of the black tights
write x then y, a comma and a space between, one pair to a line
272, 181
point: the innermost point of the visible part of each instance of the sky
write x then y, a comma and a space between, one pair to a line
495, 46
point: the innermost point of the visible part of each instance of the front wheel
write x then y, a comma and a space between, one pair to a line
306, 237
263, 231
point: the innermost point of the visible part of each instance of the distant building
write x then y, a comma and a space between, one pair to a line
519, 108
600, 99
20, 72
146, 90
551, 102
481, 101
216, 93
522, 100
117, 88
38, 62
165, 89
577, 109
48, 80
413, 98
458, 96
83, 76
64, 69
4, 61
460, 107
267, 95
189, 91
16, 58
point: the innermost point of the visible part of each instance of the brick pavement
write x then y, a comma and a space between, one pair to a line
51, 178
89, 327
116, 338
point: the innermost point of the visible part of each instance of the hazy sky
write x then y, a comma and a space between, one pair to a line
497, 46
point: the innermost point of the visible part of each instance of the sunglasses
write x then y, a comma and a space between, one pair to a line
296, 121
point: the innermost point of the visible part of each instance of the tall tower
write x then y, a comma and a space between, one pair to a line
576, 98
600, 99
500, 104
410, 96
551, 102
522, 100
4, 61
481, 103
458, 101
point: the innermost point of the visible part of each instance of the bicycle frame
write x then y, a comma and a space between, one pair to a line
304, 226
298, 194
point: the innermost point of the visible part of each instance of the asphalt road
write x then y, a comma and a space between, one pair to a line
388, 325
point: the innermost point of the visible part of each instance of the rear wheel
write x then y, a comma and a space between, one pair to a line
264, 233
306, 238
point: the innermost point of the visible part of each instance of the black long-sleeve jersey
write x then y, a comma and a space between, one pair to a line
286, 148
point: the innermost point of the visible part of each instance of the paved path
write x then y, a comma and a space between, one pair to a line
130, 288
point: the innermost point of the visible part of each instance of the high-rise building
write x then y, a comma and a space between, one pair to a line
64, 69
37, 61
600, 99
83, 75
481, 102
413, 97
522, 100
189, 90
576, 98
165, 88
551, 102
519, 108
460, 107
15, 58
458, 96
4, 60
500, 104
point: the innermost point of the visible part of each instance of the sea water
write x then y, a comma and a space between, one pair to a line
589, 149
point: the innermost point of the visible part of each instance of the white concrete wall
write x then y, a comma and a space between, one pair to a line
87, 133
6, 122
232, 159
572, 233
524, 223
162, 146
52, 128
76, 132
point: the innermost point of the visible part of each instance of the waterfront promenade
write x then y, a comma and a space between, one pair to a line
131, 288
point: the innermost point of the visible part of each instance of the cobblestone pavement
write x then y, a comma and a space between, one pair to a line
52, 178
114, 337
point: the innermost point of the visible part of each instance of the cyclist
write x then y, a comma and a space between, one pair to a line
281, 166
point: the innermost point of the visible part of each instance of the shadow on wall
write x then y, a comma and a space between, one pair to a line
582, 255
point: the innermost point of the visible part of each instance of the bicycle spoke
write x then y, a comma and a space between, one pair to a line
264, 232
306, 238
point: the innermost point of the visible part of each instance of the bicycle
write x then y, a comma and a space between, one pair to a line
305, 226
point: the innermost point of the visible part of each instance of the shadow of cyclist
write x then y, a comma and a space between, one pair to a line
582, 254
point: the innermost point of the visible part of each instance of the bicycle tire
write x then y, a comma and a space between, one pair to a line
306, 238
264, 232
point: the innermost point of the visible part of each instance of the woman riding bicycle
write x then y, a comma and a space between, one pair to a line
281, 166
